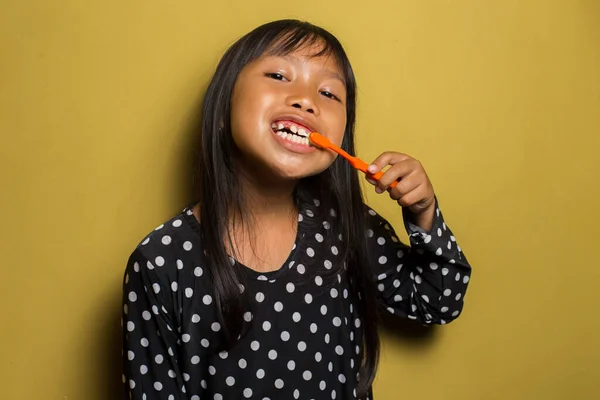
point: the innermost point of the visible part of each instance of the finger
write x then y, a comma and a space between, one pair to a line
397, 172
387, 158
405, 186
413, 197
371, 181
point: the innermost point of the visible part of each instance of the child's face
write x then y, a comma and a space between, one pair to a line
297, 91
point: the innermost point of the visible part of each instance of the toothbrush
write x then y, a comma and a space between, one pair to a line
321, 141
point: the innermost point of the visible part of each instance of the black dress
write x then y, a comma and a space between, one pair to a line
305, 334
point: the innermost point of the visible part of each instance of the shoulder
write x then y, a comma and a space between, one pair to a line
173, 249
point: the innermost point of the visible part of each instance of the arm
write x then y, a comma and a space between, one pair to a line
426, 281
150, 367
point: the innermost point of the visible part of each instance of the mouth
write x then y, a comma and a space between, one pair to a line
288, 129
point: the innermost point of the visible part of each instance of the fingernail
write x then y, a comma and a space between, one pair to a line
372, 168
379, 190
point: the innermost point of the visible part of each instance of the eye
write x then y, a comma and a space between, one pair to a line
276, 75
330, 95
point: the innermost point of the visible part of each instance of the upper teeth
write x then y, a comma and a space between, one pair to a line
293, 128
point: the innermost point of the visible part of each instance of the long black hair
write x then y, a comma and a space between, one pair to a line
337, 187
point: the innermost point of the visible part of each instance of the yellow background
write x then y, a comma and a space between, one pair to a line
499, 100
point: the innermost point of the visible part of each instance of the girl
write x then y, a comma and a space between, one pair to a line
270, 285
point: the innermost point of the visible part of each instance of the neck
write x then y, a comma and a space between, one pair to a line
267, 197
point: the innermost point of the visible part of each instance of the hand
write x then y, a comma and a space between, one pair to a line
413, 192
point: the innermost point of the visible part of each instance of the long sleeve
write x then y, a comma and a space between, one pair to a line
150, 338
425, 281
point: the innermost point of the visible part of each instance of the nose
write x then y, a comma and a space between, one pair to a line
303, 101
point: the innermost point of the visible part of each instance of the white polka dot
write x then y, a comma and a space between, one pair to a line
301, 346
318, 357
445, 271
333, 292
339, 350
195, 318
285, 336
187, 246
145, 242
189, 292
291, 365
149, 265
223, 354
290, 287
185, 337
337, 321
130, 326
427, 238
310, 252
323, 309
296, 317
318, 280
132, 297
177, 223
447, 292
144, 342
310, 213
438, 252
296, 393
143, 370
327, 338
455, 313
260, 297
158, 386
247, 316
242, 363
266, 326
279, 384
307, 375
216, 327
166, 240
357, 323
301, 269
207, 299
272, 354
195, 360
198, 271
313, 327
322, 385
230, 381
218, 396
158, 359
327, 264
334, 250
319, 237
254, 345
174, 286
130, 355
247, 393
159, 261
278, 306
466, 279
381, 287
458, 296
260, 373
380, 241
418, 279
342, 378
308, 298
382, 260
205, 343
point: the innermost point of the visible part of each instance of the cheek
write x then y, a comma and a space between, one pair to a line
338, 129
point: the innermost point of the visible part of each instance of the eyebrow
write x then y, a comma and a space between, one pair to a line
329, 73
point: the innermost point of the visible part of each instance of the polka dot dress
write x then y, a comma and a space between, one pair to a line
304, 340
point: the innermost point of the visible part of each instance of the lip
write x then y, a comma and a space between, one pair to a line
298, 120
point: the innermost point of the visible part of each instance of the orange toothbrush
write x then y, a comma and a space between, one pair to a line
321, 141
